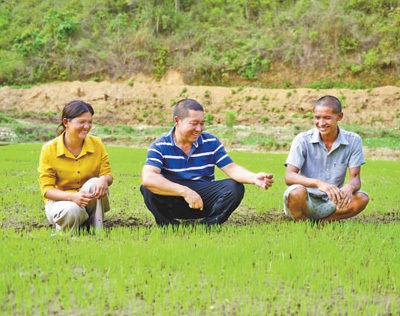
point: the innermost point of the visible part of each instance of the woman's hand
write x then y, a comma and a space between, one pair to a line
100, 188
82, 198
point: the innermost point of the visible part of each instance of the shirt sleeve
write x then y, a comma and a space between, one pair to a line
357, 156
105, 168
221, 158
154, 156
47, 175
296, 155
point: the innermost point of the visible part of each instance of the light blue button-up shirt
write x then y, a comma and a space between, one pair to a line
309, 154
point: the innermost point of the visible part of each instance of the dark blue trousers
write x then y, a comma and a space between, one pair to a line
220, 199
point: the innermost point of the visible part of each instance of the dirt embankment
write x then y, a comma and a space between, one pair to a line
144, 101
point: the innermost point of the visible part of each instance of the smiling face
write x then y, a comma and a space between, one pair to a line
78, 127
188, 129
326, 121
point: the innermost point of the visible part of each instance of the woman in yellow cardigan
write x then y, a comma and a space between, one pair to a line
74, 172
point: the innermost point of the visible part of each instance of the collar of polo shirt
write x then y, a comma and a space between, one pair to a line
198, 142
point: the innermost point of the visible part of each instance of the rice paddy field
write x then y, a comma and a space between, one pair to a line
258, 262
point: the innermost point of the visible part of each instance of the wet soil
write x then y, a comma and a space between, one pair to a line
238, 218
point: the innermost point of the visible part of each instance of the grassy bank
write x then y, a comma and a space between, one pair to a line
274, 43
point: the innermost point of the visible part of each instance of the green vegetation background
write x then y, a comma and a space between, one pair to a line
353, 43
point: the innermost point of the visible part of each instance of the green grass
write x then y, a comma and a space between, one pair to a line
350, 267
382, 142
376, 137
18, 165
279, 268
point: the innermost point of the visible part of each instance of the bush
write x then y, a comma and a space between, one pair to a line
5, 119
230, 118
209, 118
161, 62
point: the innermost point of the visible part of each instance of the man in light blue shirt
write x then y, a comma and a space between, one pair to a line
316, 169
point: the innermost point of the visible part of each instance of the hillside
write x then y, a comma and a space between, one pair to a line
264, 43
143, 101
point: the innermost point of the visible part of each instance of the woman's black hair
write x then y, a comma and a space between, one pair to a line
73, 109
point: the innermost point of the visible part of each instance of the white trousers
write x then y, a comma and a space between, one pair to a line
67, 215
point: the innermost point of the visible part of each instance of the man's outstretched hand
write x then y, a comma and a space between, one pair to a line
264, 180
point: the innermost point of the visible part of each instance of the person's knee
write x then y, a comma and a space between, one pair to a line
89, 184
77, 216
296, 203
74, 216
235, 188
147, 194
143, 190
361, 201
297, 195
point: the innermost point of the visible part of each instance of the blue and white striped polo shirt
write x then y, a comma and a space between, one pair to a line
175, 165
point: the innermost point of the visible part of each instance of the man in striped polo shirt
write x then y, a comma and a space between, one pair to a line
178, 175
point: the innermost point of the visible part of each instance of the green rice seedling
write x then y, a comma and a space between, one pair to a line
273, 268
24, 207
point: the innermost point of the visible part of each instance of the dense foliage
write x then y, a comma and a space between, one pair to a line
209, 41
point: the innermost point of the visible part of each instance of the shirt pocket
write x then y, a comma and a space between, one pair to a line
339, 173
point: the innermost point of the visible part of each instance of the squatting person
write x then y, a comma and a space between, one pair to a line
178, 175
316, 169
74, 172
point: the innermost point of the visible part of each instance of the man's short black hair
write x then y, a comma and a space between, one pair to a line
331, 102
183, 106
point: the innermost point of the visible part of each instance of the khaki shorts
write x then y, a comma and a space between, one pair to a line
319, 206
